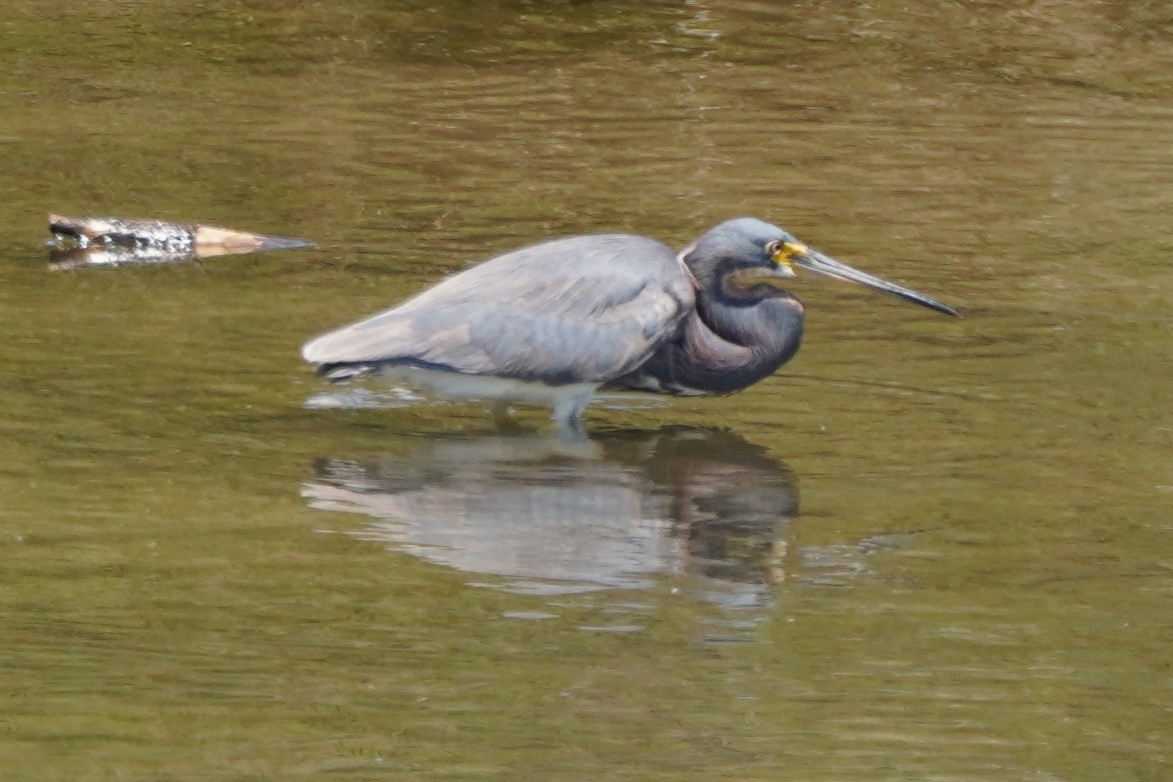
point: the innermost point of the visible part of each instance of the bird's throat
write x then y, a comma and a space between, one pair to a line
756, 284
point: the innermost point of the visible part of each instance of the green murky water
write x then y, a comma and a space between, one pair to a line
928, 549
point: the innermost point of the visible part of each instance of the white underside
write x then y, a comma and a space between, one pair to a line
567, 402
652, 385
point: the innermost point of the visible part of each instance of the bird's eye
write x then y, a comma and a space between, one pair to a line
774, 248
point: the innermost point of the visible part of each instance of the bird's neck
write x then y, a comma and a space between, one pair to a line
720, 350
769, 324
725, 349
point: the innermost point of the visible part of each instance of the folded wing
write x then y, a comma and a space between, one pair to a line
578, 310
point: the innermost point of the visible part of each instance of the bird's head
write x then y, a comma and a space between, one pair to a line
745, 257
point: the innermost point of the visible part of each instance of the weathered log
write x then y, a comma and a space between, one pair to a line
112, 241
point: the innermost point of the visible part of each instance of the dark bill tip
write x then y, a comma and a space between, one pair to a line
829, 267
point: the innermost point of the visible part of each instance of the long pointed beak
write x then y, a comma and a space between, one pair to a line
829, 267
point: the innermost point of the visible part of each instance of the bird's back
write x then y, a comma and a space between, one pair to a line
578, 310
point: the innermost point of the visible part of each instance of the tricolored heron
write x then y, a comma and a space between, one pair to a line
552, 323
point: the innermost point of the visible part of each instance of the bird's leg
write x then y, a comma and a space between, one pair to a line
569, 407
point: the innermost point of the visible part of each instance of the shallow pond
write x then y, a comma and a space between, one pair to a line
926, 549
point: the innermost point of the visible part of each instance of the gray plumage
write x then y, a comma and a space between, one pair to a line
553, 322
579, 310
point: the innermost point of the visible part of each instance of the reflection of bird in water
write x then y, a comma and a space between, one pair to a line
554, 322
619, 512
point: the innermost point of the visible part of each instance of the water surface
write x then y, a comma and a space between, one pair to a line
926, 549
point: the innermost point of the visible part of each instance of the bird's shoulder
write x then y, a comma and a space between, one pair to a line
600, 268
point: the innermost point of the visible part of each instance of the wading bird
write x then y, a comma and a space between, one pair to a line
552, 323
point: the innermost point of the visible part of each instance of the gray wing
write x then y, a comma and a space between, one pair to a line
578, 310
